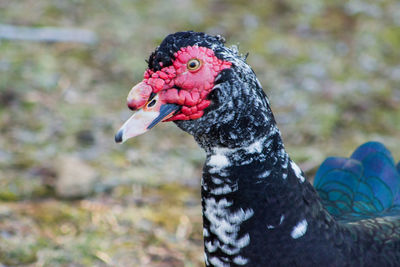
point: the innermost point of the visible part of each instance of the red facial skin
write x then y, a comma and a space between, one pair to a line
194, 85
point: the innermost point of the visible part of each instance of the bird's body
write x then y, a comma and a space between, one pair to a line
258, 207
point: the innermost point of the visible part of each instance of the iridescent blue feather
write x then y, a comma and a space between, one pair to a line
363, 186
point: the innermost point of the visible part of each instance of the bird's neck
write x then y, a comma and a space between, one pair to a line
254, 196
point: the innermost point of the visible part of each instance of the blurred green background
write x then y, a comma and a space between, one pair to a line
70, 196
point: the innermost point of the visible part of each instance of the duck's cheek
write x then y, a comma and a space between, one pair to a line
192, 103
202, 79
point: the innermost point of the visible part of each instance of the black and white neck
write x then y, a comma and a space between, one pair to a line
258, 208
257, 205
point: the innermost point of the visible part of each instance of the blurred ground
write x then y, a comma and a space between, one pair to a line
330, 68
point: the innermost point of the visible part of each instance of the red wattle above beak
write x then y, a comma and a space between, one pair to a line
153, 112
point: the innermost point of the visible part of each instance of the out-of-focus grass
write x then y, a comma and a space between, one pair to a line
331, 69
131, 227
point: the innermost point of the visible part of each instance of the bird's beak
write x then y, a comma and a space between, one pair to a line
145, 118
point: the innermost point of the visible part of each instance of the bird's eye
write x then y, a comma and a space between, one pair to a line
193, 64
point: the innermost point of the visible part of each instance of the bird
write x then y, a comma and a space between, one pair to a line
258, 207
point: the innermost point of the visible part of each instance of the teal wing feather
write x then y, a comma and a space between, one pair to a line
366, 185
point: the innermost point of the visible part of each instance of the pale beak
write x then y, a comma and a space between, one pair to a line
146, 118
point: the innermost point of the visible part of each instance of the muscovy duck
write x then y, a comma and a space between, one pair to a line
258, 207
